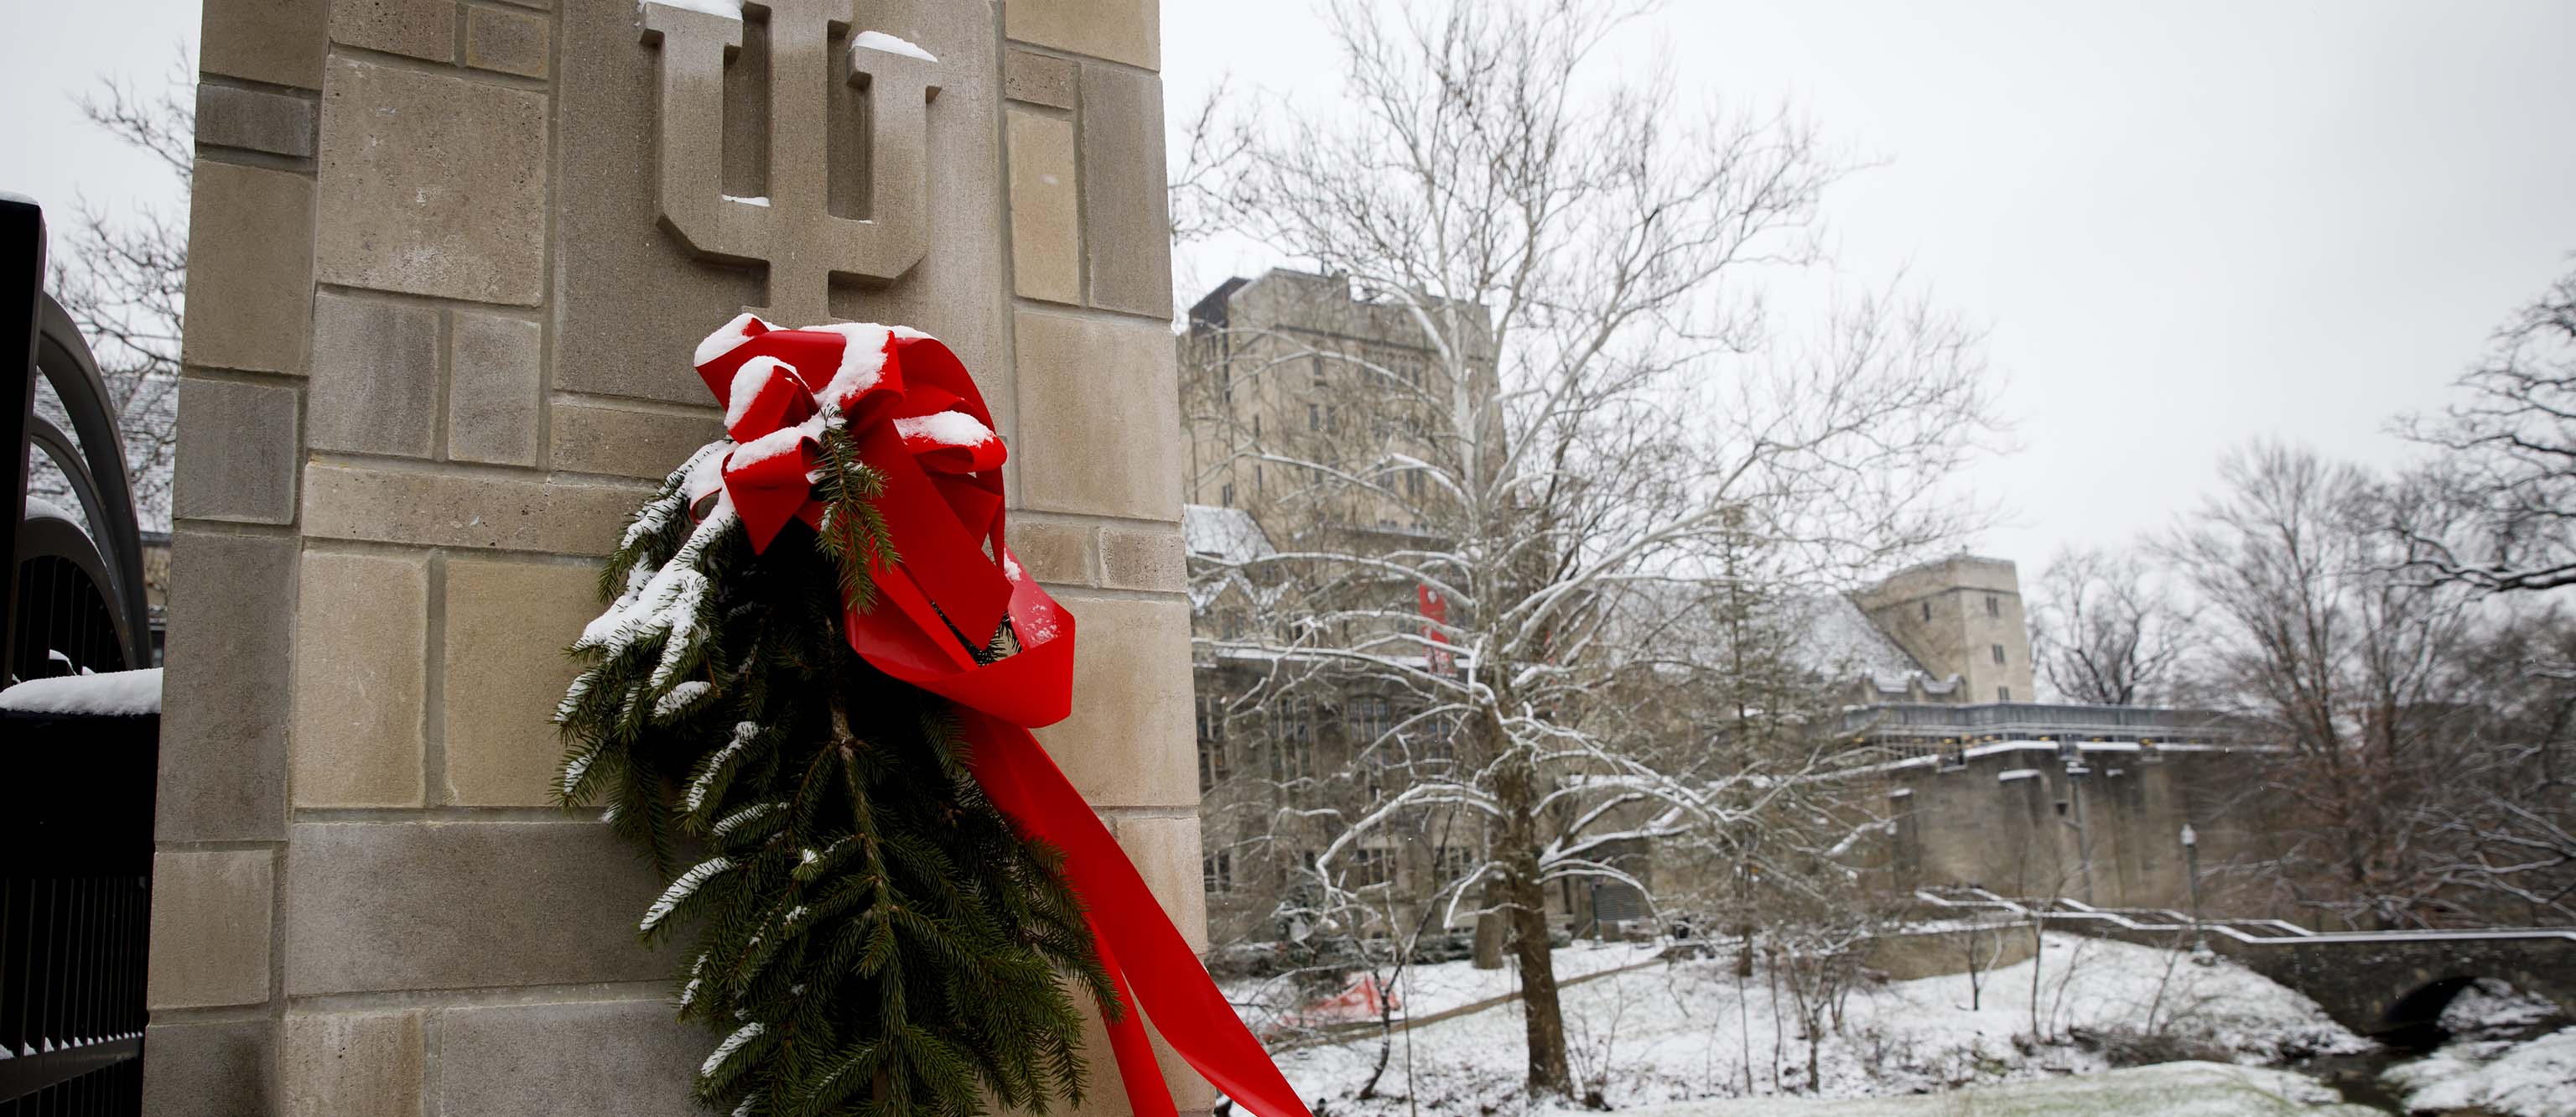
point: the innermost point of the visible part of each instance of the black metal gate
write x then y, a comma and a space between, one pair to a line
75, 912
76, 800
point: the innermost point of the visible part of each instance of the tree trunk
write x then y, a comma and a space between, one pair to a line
1492, 928
1516, 785
1540, 1009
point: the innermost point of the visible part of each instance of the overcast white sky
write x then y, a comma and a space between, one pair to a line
2185, 224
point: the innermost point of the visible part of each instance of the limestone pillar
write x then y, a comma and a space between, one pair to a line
437, 345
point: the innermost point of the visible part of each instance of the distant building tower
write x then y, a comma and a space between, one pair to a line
1960, 616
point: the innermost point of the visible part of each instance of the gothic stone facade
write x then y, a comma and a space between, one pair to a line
449, 265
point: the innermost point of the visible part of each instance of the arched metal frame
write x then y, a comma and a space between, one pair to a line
92, 455
106, 491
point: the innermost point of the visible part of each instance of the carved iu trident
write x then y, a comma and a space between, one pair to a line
793, 230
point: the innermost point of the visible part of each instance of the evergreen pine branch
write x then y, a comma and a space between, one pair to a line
854, 534
878, 917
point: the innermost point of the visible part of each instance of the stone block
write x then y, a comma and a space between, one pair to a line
224, 705
615, 264
1105, 1097
237, 452
494, 387
628, 442
210, 927
1128, 31
448, 905
507, 626
431, 184
250, 269
352, 1064
221, 1068
508, 42
1046, 219
375, 377
623, 1057
551, 516
362, 623
1165, 849
419, 28
1038, 79
1142, 560
1126, 222
1100, 417
1054, 553
276, 41
1129, 742
255, 120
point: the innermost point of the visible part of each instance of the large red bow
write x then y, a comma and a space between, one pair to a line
920, 423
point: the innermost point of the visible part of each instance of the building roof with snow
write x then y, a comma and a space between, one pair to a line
1226, 535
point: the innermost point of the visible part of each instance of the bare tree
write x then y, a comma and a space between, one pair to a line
2511, 456
1604, 413
2107, 630
2351, 665
2503, 816
122, 279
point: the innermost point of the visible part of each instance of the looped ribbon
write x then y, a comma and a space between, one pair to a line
919, 422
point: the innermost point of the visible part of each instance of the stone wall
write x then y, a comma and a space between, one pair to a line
1994, 820
437, 343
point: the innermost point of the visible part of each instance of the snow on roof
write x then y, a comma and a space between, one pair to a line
1836, 639
1225, 534
124, 693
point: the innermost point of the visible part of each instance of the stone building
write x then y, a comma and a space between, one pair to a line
1932, 668
1959, 618
1284, 374
448, 264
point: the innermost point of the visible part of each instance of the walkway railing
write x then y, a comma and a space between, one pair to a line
2038, 721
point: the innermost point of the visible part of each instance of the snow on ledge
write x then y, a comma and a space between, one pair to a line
729, 9
879, 40
116, 693
2017, 774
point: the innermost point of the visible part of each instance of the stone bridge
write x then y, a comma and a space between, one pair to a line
2391, 985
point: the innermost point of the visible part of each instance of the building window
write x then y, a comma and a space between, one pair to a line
1994, 606
1256, 428
1368, 868
1314, 417
1213, 768
1413, 484
1225, 494
1332, 418
1452, 864
1999, 653
1292, 755
1927, 609
1258, 485
1216, 871
1371, 715
2003, 694
1318, 360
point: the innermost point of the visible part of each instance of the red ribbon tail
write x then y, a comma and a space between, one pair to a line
1142, 1074
1170, 986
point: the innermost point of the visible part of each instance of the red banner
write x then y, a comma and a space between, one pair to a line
920, 423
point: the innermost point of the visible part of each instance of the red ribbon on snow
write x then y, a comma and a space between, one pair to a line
919, 421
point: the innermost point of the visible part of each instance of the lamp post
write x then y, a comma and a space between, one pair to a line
2191, 866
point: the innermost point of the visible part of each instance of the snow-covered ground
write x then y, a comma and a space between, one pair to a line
1422, 991
1691, 1031
2494, 1065
2163, 1090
